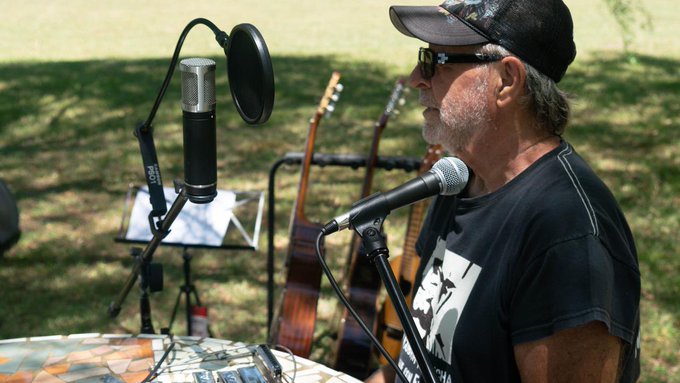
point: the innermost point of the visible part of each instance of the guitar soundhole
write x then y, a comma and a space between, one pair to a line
405, 286
394, 333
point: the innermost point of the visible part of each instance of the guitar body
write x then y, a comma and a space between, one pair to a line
354, 348
405, 268
390, 331
296, 320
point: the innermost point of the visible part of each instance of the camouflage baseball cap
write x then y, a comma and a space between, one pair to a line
539, 32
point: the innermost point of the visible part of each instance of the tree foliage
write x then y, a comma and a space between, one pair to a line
630, 16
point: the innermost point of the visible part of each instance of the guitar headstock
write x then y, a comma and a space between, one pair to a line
396, 99
330, 96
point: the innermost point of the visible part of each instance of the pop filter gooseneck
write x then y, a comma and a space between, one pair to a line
251, 77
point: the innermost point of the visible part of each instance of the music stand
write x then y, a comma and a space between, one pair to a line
230, 222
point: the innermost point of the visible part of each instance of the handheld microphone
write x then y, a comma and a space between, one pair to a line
198, 117
448, 176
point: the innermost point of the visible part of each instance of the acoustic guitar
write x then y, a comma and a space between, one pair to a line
295, 323
353, 348
405, 266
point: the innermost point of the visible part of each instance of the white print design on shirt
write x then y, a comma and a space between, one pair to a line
447, 282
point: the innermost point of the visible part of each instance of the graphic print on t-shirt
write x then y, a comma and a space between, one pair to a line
446, 285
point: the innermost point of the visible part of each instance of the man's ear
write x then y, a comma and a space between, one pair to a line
512, 79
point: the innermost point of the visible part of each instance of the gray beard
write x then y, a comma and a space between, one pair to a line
460, 120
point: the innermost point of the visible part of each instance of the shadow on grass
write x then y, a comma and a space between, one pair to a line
68, 154
626, 122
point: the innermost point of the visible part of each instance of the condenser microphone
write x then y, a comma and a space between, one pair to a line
447, 176
198, 118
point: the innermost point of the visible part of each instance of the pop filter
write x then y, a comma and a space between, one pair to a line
251, 77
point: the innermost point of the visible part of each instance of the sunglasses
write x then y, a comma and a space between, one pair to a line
428, 59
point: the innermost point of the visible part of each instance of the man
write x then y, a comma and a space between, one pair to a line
531, 273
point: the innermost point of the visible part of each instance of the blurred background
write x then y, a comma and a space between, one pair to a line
76, 77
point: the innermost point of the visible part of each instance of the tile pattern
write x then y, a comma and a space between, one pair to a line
115, 358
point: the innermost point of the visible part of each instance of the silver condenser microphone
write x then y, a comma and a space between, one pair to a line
198, 117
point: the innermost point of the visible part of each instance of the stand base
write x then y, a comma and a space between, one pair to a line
188, 290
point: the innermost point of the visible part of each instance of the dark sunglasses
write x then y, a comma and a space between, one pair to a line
428, 59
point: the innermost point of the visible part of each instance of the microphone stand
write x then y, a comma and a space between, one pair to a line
147, 254
376, 249
144, 133
145, 280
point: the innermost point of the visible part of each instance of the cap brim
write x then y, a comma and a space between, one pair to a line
434, 25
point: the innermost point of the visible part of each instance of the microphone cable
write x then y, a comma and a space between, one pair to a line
154, 372
220, 36
345, 302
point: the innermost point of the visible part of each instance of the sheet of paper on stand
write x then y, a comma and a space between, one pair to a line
197, 224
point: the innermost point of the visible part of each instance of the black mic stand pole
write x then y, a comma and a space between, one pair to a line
376, 249
145, 257
144, 303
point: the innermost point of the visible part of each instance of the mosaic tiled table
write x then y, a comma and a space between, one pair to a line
114, 358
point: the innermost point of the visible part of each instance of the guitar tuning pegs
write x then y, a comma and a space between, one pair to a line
335, 97
339, 88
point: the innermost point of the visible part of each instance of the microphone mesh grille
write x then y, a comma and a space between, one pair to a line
209, 87
453, 173
189, 88
198, 84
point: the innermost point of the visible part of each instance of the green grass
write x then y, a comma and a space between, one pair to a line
75, 78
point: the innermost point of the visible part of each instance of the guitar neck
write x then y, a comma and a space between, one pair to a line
379, 127
355, 244
415, 221
325, 105
372, 159
416, 216
363, 282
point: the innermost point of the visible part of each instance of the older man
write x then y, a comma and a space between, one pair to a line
531, 274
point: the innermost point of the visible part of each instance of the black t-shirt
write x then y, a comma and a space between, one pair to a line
550, 250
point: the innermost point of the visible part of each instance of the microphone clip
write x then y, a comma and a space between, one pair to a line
374, 243
368, 212
156, 227
368, 224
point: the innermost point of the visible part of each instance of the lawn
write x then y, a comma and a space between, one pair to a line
76, 76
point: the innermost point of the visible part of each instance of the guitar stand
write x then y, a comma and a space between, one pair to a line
353, 161
188, 290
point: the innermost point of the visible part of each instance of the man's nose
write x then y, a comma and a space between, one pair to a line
416, 79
